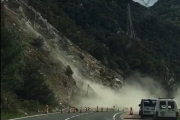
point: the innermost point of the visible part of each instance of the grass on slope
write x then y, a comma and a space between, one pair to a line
6, 116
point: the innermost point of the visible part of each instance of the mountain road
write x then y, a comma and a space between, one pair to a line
82, 116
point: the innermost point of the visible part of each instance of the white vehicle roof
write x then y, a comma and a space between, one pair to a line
166, 99
149, 99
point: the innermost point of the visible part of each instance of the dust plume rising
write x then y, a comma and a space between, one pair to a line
129, 95
177, 98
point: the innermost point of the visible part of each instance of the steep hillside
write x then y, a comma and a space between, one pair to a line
168, 10
99, 27
42, 66
52, 49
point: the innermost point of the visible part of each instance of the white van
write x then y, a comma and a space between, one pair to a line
147, 107
166, 109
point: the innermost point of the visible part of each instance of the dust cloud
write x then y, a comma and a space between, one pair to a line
129, 95
177, 98
134, 89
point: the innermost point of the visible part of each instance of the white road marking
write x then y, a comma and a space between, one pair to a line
77, 115
33, 116
114, 117
48, 114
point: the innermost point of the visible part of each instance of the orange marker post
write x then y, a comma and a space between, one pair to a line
74, 110
131, 111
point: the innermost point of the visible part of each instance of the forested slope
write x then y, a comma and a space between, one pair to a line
99, 27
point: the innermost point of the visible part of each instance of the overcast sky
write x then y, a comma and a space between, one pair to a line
150, 4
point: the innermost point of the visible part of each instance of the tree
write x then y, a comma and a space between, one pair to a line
34, 86
12, 58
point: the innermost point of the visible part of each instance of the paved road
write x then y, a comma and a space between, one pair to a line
77, 116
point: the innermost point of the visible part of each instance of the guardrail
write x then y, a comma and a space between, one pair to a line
94, 109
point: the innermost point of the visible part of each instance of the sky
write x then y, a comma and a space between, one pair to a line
150, 4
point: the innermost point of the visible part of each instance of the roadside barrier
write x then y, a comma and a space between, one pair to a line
125, 109
93, 109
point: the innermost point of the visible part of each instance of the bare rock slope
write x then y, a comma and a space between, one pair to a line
55, 52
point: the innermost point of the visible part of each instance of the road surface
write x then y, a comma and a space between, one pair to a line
76, 116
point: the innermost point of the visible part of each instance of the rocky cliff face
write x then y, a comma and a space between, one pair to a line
55, 52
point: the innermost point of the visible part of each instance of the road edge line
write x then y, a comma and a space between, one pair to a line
32, 116
114, 116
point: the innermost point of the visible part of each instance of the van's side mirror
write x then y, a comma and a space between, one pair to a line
139, 105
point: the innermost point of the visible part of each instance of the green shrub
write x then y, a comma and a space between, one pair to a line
34, 87
38, 42
9, 102
32, 106
69, 71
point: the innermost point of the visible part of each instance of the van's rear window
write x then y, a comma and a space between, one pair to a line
150, 103
162, 105
170, 105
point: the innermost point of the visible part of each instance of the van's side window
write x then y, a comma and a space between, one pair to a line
162, 105
170, 105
